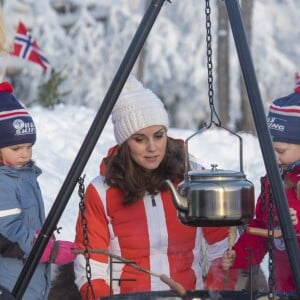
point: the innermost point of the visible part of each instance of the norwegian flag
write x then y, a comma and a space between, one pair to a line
27, 48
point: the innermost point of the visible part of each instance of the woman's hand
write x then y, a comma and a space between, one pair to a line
294, 217
228, 259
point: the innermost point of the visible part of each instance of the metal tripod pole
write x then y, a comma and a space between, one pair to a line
263, 134
87, 146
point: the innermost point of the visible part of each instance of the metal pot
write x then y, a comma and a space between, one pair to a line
214, 197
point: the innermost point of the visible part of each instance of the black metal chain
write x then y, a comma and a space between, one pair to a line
81, 191
271, 279
86, 253
210, 67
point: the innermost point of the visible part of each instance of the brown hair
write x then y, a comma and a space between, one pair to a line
290, 185
134, 181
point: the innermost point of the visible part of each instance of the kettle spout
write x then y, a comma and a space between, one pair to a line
179, 201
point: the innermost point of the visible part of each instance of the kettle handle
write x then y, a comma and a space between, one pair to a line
202, 127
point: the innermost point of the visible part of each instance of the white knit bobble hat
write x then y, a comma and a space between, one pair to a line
135, 109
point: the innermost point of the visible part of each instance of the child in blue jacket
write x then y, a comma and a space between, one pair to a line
21, 205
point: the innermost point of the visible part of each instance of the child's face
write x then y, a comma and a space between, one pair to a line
16, 155
286, 153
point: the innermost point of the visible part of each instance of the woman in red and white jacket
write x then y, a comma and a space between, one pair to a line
129, 209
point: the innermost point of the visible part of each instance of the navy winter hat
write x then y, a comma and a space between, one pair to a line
284, 117
16, 125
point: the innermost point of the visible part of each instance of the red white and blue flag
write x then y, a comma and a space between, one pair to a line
27, 48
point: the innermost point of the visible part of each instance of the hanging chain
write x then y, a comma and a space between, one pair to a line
81, 191
210, 67
271, 280
86, 252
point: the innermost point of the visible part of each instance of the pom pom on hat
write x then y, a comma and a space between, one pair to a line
284, 117
16, 125
135, 109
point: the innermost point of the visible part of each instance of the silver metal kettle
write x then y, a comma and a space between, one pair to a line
214, 197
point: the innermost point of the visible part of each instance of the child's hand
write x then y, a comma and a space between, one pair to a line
294, 217
228, 259
58, 252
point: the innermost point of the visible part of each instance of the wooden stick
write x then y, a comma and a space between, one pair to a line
173, 284
263, 232
231, 236
164, 278
232, 233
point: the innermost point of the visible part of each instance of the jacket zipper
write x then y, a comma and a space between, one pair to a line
153, 201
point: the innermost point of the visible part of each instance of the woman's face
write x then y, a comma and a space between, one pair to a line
148, 146
16, 155
286, 154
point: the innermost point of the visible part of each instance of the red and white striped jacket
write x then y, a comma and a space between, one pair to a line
147, 233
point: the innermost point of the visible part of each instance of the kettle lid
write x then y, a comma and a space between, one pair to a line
215, 174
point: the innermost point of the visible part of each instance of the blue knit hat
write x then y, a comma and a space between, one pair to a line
284, 117
16, 125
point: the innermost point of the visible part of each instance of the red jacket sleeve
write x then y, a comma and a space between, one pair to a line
95, 218
251, 249
100, 289
97, 239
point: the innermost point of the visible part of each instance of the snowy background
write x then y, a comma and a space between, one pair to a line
87, 40
89, 52
61, 132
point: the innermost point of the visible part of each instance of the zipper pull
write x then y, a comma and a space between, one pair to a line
153, 201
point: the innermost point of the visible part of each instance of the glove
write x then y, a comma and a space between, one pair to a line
59, 252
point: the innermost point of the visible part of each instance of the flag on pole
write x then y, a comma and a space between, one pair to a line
27, 48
